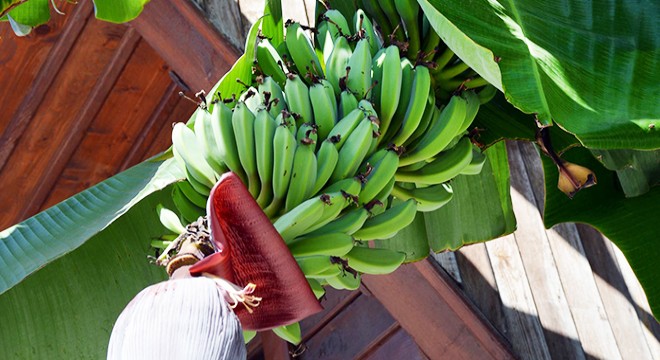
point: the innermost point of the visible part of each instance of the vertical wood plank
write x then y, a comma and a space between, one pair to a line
447, 260
539, 265
524, 328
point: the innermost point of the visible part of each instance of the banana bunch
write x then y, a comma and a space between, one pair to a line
403, 23
340, 141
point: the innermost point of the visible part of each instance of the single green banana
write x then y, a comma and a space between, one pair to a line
195, 197
345, 281
443, 129
326, 160
297, 98
204, 135
307, 134
389, 9
186, 145
189, 211
418, 98
348, 223
284, 149
335, 65
329, 244
252, 99
243, 124
354, 150
347, 103
302, 50
377, 76
335, 202
264, 132
429, 111
359, 75
364, 27
272, 93
296, 222
487, 93
344, 127
324, 106
404, 98
383, 24
223, 132
471, 109
200, 188
303, 175
350, 186
445, 167
171, 221
409, 12
381, 169
316, 287
476, 164
390, 87
388, 223
374, 261
428, 198
314, 264
290, 333
271, 62
338, 23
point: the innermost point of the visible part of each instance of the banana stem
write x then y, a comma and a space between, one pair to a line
476, 82
453, 71
443, 59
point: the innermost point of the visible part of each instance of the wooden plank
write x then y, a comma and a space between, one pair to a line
447, 260
524, 329
399, 345
202, 58
21, 59
650, 326
333, 303
479, 283
433, 311
119, 123
49, 71
45, 142
539, 265
616, 297
350, 332
274, 348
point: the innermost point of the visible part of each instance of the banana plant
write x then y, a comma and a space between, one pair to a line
605, 119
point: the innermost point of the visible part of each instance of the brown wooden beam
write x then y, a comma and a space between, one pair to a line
188, 43
274, 347
436, 314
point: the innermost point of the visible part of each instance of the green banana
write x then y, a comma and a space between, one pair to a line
348, 223
476, 164
186, 145
335, 65
330, 244
296, 222
252, 99
354, 150
390, 87
442, 130
297, 98
351, 186
189, 211
223, 132
409, 12
428, 198
338, 25
326, 160
374, 261
471, 109
345, 281
404, 98
316, 287
272, 93
364, 26
389, 9
204, 135
243, 124
290, 333
359, 75
429, 111
189, 192
335, 202
315, 264
418, 96
388, 223
347, 103
302, 50
284, 149
382, 167
344, 127
446, 166
307, 135
303, 175
171, 221
270, 61
373, 8
324, 106
264, 132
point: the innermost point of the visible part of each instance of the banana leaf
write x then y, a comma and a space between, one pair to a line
631, 223
273, 24
51, 234
66, 310
7, 5
591, 67
31, 13
118, 11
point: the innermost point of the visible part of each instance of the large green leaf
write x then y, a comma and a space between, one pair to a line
589, 66
7, 5
273, 25
480, 210
118, 11
67, 309
31, 13
631, 223
32, 244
